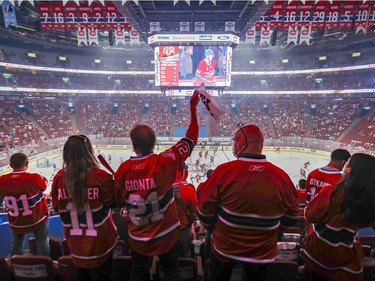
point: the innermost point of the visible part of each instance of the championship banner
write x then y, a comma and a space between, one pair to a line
71, 16
97, 11
230, 26
9, 13
58, 16
184, 26
134, 37
199, 26
371, 21
276, 15
93, 34
250, 36
361, 17
290, 14
292, 34
81, 35
347, 15
305, 35
263, 21
332, 16
119, 36
319, 15
114, 17
304, 18
84, 14
45, 14
265, 36
154, 26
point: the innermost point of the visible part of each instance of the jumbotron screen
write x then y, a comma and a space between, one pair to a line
189, 66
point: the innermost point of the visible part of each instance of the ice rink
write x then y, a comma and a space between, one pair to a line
289, 161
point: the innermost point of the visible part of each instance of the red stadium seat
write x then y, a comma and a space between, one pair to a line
38, 268
66, 268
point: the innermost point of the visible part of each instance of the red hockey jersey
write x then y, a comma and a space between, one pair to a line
24, 200
186, 202
333, 249
244, 202
205, 72
145, 184
92, 235
321, 177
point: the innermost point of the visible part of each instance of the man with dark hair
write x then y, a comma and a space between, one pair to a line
144, 186
243, 204
26, 205
327, 175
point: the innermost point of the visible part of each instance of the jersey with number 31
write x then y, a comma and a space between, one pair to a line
145, 185
24, 200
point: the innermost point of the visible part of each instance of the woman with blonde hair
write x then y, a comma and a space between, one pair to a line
83, 193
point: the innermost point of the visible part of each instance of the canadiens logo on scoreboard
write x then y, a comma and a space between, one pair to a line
168, 51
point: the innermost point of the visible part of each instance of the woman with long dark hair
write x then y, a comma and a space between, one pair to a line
333, 251
82, 194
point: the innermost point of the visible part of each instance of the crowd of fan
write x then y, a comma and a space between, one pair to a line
328, 119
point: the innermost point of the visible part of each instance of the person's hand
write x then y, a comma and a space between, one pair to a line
194, 100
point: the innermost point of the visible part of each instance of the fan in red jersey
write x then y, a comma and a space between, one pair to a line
186, 203
329, 174
206, 68
243, 203
333, 250
82, 194
25, 202
144, 184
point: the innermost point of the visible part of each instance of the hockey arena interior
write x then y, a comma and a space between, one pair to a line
301, 71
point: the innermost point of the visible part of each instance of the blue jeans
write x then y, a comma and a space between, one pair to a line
41, 239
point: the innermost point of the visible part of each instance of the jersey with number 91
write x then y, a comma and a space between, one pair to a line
24, 200
91, 235
144, 183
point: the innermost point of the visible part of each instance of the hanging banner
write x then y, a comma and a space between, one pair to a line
371, 21
71, 16
9, 14
58, 16
134, 37
250, 36
265, 36
154, 26
319, 15
81, 35
230, 26
119, 36
114, 17
276, 15
45, 13
93, 35
199, 26
84, 14
292, 34
361, 17
304, 18
97, 11
290, 14
347, 15
184, 26
263, 21
332, 16
305, 35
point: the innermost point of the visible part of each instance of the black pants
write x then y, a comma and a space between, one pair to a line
312, 276
100, 273
222, 271
168, 261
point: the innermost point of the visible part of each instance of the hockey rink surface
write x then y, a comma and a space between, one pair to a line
290, 161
